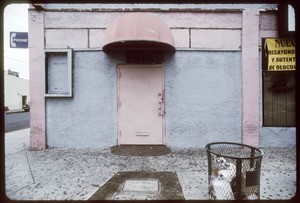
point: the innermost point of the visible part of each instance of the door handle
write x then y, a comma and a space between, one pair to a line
161, 109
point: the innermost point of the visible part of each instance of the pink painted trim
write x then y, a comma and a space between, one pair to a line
36, 64
250, 78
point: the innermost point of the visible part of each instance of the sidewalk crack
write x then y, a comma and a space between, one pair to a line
28, 164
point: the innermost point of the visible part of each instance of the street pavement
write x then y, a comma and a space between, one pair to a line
76, 174
16, 120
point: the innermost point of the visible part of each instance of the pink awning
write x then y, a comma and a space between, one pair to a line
141, 31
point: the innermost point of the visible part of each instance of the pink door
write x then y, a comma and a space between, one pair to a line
140, 105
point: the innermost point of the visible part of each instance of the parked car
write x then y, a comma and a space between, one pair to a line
26, 107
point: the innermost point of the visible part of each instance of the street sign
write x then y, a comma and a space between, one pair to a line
18, 40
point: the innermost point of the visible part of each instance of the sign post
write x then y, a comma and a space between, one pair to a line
19, 40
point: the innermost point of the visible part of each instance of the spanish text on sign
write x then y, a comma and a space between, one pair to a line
281, 54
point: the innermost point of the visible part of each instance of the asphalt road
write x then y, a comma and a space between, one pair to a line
17, 121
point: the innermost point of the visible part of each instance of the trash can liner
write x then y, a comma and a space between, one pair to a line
222, 189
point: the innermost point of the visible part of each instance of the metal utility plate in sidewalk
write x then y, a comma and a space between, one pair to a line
141, 185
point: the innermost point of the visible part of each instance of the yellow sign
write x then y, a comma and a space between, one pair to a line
281, 54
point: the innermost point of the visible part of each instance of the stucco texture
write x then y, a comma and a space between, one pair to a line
277, 137
203, 98
88, 120
203, 102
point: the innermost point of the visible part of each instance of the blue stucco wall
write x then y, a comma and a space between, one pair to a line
203, 102
277, 137
203, 97
89, 118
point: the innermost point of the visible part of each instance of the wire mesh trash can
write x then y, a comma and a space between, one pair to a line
233, 171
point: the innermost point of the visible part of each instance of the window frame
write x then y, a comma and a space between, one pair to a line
69, 55
264, 71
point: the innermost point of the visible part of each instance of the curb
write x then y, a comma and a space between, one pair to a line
14, 111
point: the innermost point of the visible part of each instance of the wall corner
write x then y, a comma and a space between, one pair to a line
36, 73
250, 77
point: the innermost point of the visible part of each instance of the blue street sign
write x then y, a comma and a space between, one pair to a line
18, 40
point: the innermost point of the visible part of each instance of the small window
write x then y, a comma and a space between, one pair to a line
278, 81
58, 73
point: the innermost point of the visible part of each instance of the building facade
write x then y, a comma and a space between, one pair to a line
16, 90
149, 74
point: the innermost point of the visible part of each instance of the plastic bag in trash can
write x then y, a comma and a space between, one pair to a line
222, 189
222, 174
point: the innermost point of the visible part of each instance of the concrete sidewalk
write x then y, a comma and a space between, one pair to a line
76, 174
